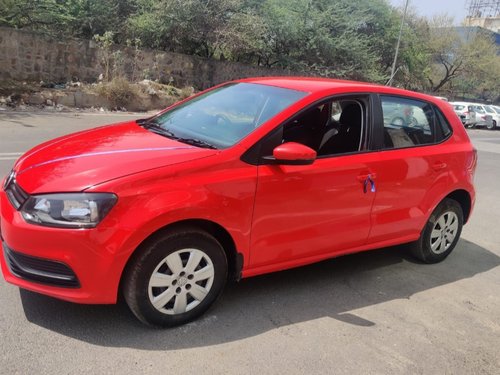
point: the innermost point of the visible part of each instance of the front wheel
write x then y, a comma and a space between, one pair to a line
175, 277
441, 233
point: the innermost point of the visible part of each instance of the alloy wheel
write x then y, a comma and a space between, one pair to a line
181, 281
444, 232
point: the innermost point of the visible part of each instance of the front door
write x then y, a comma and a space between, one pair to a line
310, 211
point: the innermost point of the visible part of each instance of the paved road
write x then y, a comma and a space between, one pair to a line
377, 312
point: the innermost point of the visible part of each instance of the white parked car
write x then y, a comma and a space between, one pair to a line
465, 111
495, 114
483, 115
442, 98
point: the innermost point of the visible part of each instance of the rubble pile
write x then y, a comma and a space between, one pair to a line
145, 95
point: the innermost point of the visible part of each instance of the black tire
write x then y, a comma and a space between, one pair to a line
492, 126
151, 258
422, 249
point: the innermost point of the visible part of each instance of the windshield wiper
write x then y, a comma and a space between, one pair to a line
156, 128
196, 142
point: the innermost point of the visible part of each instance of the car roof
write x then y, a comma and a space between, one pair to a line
309, 84
318, 85
461, 103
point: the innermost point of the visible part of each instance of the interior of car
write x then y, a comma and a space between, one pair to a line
331, 128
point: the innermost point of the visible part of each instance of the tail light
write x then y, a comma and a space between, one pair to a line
471, 168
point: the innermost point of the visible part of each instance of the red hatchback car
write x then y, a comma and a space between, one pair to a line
249, 177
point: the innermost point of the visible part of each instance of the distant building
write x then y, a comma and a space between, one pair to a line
483, 13
490, 23
467, 32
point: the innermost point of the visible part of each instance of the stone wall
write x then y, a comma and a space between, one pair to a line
29, 56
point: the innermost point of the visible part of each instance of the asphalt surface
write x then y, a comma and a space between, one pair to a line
376, 312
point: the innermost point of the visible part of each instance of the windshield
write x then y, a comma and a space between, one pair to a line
223, 116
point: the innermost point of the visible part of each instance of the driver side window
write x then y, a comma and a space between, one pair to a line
331, 128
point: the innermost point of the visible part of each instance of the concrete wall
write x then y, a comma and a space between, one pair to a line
29, 56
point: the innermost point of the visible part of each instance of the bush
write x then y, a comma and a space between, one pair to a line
186, 92
119, 92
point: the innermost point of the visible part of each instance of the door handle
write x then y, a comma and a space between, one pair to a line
366, 180
362, 177
439, 166
370, 181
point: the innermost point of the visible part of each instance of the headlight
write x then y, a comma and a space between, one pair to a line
72, 210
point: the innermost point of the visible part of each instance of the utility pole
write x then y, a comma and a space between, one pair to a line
393, 70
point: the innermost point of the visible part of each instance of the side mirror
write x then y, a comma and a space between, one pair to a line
292, 153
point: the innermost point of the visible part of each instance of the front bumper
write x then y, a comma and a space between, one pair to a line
92, 260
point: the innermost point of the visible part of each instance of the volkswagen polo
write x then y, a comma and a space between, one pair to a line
249, 177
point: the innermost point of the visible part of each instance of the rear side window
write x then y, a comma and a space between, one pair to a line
489, 109
409, 123
478, 109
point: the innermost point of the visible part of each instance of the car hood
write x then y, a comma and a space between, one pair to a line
78, 161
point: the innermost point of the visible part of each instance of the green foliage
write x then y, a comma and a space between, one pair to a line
47, 15
335, 38
436, 58
480, 68
105, 42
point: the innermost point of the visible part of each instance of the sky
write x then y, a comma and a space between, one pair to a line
429, 8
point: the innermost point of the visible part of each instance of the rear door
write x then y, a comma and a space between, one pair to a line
412, 168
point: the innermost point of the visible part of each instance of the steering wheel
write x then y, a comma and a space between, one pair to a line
400, 121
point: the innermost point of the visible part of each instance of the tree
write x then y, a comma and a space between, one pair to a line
414, 56
331, 38
187, 26
46, 15
470, 57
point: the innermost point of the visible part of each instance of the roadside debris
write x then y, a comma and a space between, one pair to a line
116, 95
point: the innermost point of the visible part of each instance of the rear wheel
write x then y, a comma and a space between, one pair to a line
492, 125
175, 277
440, 234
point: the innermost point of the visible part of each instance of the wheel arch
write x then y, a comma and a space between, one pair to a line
234, 258
464, 199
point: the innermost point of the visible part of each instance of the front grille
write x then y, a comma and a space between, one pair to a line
16, 195
40, 270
